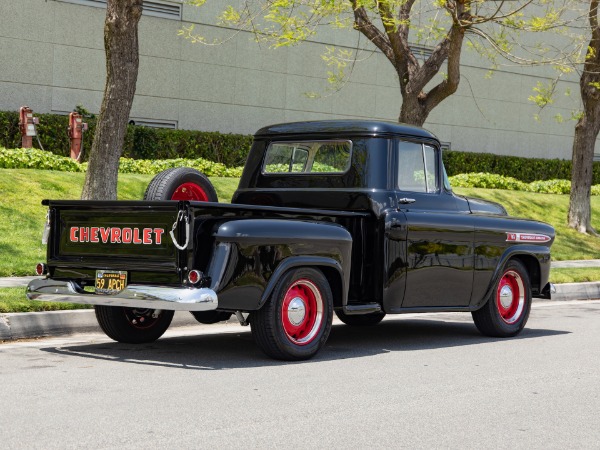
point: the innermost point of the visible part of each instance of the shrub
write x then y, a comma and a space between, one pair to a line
38, 159
493, 181
30, 158
487, 181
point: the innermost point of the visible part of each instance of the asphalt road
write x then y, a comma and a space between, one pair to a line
412, 381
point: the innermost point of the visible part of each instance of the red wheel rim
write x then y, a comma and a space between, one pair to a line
510, 297
191, 192
302, 312
141, 319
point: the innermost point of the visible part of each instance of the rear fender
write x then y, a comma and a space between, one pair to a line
251, 256
307, 261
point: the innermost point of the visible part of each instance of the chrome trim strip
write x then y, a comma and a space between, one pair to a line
133, 296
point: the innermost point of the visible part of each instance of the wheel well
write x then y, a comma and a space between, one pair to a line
533, 270
335, 283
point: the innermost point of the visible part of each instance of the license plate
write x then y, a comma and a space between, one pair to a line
110, 282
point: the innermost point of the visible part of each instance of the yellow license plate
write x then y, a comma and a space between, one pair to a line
110, 282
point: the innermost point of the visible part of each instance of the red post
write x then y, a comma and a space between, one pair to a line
75, 130
27, 126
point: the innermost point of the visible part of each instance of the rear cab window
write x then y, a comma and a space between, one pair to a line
307, 157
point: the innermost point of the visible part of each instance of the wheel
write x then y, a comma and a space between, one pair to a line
133, 326
360, 320
181, 183
296, 320
210, 317
507, 309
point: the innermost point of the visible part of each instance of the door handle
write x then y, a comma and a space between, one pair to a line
406, 201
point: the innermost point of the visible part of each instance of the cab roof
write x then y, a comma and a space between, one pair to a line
343, 128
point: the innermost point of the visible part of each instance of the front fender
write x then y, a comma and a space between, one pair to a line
528, 254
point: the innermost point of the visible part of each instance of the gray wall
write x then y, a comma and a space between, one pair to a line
53, 59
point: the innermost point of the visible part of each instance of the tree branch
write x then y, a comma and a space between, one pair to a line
363, 24
449, 86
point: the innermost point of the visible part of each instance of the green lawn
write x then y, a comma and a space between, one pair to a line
14, 300
22, 218
22, 215
550, 208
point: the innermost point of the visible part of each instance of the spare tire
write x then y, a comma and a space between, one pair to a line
181, 183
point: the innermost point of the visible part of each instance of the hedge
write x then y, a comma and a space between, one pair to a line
494, 181
140, 142
522, 169
232, 149
37, 159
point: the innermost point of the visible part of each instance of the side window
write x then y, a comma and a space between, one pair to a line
417, 167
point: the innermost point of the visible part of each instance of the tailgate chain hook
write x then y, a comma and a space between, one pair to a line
181, 216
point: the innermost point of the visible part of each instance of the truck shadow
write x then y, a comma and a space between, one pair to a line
223, 351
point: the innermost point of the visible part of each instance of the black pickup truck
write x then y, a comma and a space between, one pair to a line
355, 218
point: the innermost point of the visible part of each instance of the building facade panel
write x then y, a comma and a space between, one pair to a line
239, 85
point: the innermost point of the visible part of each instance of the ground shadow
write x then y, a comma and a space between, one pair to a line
222, 351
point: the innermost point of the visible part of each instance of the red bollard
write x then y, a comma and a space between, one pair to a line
75, 130
27, 125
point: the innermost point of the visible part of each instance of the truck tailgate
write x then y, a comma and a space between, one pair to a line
123, 235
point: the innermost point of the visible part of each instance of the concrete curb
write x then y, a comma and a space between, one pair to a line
577, 291
14, 282
60, 323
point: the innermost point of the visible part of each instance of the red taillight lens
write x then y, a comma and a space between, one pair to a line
194, 276
41, 269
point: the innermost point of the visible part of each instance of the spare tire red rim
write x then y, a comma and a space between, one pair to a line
191, 192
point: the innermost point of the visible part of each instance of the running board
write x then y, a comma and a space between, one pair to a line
365, 308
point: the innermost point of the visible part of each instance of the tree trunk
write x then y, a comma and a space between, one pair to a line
122, 62
586, 132
412, 111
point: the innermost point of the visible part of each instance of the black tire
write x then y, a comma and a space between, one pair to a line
361, 320
507, 309
132, 326
181, 183
210, 317
305, 297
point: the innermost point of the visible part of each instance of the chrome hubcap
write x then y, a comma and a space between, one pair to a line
296, 311
506, 296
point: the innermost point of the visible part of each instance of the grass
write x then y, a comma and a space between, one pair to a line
575, 275
14, 300
550, 208
22, 217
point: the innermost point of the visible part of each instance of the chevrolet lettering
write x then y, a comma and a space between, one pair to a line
117, 235
354, 219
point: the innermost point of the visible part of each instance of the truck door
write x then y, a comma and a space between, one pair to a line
439, 238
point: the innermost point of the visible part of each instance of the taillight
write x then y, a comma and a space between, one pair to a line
194, 276
41, 269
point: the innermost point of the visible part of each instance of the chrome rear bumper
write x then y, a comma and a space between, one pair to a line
133, 296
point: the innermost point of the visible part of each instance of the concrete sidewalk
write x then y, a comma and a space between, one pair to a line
576, 264
57, 323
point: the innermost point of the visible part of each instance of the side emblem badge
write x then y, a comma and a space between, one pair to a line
526, 237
